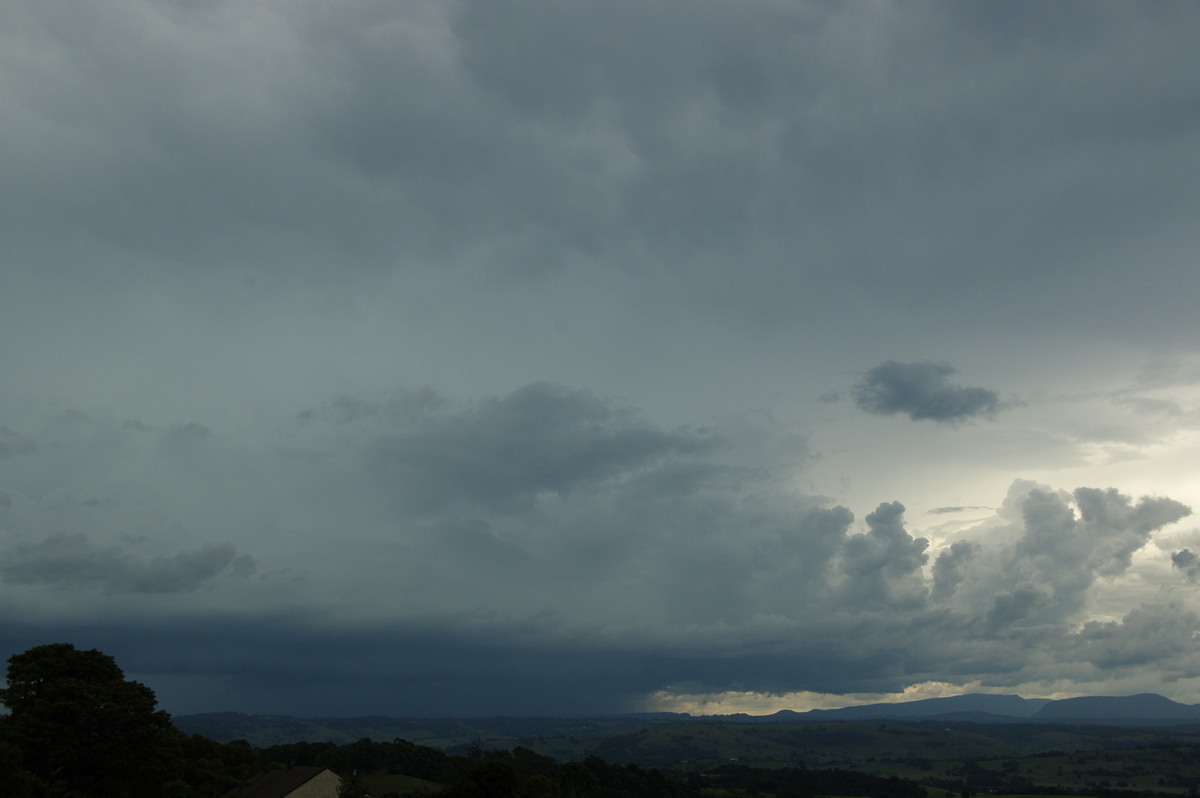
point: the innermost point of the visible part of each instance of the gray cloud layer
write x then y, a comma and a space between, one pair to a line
628, 244
500, 455
810, 144
71, 561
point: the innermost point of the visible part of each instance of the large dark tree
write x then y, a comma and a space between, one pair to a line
15, 780
83, 730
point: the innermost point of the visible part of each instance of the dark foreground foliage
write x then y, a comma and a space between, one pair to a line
517, 773
77, 728
800, 782
522, 773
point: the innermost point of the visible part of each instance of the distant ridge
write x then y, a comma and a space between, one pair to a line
1005, 706
1145, 709
1141, 706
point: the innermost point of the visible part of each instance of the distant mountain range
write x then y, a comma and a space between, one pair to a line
1146, 709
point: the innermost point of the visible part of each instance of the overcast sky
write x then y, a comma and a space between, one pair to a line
545, 357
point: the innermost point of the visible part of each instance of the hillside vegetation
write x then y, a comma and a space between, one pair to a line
943, 755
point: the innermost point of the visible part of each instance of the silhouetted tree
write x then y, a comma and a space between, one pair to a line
15, 780
577, 780
84, 730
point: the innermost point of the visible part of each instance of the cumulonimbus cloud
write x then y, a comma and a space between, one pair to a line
552, 531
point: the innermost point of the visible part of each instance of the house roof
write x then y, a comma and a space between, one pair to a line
278, 783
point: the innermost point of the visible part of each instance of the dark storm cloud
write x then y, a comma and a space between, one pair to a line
922, 391
884, 563
947, 568
72, 561
1008, 608
276, 665
1188, 563
476, 666
527, 138
714, 160
501, 453
218, 214
1164, 634
572, 556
